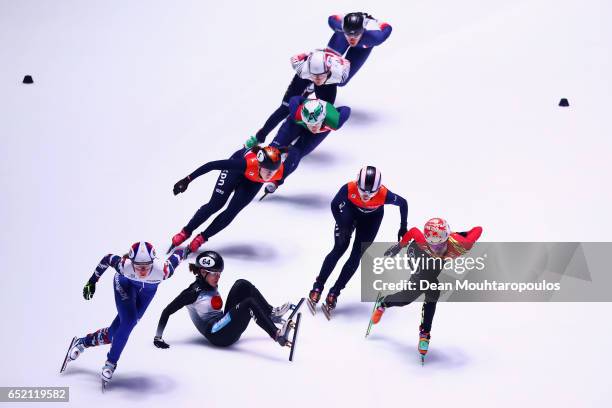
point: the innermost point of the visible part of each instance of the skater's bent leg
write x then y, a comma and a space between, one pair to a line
349, 268
242, 289
234, 322
226, 183
261, 315
307, 144
427, 314
256, 295
429, 309
145, 296
365, 233
125, 299
98, 338
342, 239
402, 298
243, 195
326, 92
275, 118
295, 88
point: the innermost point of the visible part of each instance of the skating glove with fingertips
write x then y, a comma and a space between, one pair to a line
181, 185
89, 290
394, 250
160, 343
250, 142
270, 187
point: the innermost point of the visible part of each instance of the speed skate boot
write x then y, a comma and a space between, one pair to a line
75, 349
377, 312
377, 315
313, 298
194, 245
423, 344
107, 373
282, 336
330, 304
178, 239
279, 311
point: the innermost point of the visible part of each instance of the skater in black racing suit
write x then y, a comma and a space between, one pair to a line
223, 327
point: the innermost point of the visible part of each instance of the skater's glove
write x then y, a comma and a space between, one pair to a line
160, 343
250, 142
181, 185
401, 232
89, 290
270, 188
394, 250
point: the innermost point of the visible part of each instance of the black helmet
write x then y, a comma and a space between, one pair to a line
353, 24
369, 179
210, 261
269, 158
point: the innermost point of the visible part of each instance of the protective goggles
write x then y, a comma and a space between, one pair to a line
366, 195
142, 267
438, 247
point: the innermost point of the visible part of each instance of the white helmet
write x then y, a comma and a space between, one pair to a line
317, 64
436, 231
313, 112
142, 253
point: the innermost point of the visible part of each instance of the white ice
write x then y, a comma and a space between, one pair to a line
458, 109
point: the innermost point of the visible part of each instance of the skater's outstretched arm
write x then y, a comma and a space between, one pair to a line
337, 42
289, 165
288, 130
173, 262
375, 37
108, 260
471, 235
395, 199
344, 112
413, 234
229, 164
186, 297
461, 242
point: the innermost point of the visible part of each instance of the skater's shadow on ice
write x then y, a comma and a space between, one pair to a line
253, 253
246, 345
448, 358
306, 200
320, 158
362, 118
357, 310
130, 384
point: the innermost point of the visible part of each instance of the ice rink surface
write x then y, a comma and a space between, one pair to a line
459, 111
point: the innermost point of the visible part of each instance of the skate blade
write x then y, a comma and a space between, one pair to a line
67, 356
326, 311
296, 309
312, 306
170, 249
369, 328
104, 386
295, 334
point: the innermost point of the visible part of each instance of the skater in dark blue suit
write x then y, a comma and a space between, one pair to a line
358, 206
308, 124
135, 283
358, 33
